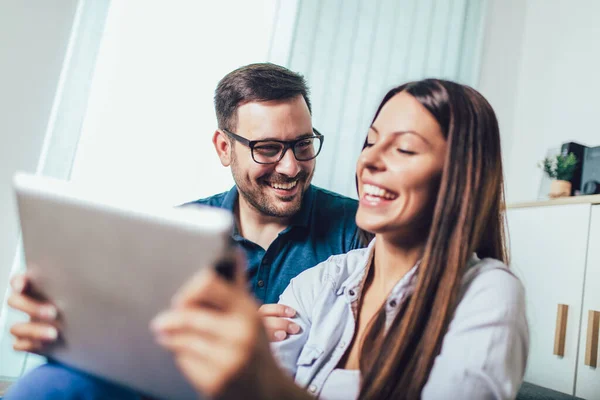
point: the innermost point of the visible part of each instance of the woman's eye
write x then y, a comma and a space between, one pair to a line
369, 144
408, 152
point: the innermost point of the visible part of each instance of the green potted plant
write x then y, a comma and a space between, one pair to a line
560, 168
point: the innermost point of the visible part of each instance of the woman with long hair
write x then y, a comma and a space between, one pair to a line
428, 310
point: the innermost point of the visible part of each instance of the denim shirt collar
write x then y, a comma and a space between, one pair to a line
356, 278
301, 218
354, 284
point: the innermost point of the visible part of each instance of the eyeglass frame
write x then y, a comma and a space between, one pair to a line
287, 144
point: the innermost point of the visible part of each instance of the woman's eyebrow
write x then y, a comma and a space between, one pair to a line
403, 132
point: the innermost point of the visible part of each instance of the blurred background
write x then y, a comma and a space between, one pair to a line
117, 95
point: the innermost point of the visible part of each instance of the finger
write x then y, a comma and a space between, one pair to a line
202, 374
189, 344
281, 324
31, 346
19, 283
35, 309
202, 321
202, 350
279, 328
277, 336
276, 310
22, 283
34, 331
205, 288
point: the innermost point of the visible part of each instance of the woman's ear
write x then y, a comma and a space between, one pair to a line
223, 147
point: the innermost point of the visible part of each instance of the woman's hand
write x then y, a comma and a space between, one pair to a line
42, 328
275, 318
218, 338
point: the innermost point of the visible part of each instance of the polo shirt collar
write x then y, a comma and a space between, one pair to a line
302, 217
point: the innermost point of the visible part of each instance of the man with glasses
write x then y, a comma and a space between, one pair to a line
284, 224
265, 135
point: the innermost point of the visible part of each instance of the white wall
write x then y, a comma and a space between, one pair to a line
557, 85
33, 41
147, 120
501, 63
147, 133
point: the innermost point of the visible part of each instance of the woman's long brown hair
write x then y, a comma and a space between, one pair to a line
467, 218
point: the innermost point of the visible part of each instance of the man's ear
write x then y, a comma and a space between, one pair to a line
223, 147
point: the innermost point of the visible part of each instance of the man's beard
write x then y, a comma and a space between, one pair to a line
254, 194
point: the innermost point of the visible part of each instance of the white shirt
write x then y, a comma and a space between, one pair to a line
341, 384
483, 354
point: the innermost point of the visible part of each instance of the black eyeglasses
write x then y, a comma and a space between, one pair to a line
272, 151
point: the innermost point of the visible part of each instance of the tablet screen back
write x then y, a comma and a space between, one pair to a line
110, 269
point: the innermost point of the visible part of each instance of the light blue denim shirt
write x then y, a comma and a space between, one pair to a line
483, 354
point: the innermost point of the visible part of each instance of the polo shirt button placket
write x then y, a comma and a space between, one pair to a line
313, 389
263, 264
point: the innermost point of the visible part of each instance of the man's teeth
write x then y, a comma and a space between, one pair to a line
284, 186
376, 191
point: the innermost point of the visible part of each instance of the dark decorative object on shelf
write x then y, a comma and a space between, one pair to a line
579, 151
590, 175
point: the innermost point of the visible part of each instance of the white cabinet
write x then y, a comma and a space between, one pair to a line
588, 378
555, 250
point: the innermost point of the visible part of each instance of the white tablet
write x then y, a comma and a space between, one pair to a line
110, 268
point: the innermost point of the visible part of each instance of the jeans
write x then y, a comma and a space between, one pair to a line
53, 381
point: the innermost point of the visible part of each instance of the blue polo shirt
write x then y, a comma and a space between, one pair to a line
324, 226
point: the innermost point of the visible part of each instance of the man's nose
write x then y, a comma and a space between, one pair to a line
288, 165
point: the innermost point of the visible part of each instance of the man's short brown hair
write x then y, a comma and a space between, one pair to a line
255, 82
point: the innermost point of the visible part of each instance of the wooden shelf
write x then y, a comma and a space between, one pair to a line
591, 199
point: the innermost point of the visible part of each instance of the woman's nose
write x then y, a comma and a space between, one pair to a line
372, 157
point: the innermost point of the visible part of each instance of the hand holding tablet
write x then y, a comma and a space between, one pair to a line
110, 268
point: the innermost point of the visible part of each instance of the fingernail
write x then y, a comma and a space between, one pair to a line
157, 323
290, 312
51, 333
280, 335
293, 328
49, 312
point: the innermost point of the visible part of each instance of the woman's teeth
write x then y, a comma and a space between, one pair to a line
284, 186
376, 191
